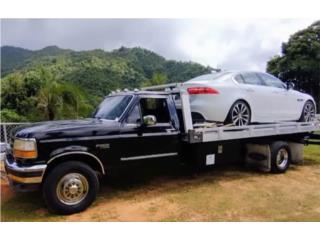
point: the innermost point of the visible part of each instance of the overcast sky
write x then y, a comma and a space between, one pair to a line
228, 44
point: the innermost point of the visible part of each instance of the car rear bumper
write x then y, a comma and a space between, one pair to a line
24, 174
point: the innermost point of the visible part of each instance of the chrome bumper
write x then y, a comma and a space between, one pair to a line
27, 175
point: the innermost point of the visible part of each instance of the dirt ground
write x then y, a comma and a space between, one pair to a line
232, 193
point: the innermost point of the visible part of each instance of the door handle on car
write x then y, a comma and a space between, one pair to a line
249, 90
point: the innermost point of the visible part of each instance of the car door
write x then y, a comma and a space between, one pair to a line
141, 142
260, 97
284, 104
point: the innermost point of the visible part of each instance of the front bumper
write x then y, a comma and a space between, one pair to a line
24, 174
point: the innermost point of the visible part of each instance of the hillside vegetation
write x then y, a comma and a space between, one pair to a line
54, 83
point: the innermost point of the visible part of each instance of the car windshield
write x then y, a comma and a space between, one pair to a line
112, 107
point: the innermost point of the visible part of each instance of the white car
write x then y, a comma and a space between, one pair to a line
246, 97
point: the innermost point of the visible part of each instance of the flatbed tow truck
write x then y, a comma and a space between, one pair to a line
66, 158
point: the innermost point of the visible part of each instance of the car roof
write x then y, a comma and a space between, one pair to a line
221, 74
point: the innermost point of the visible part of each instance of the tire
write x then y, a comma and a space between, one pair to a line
70, 187
241, 119
280, 157
308, 112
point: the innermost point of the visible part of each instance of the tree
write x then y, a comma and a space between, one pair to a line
157, 79
300, 61
61, 100
7, 115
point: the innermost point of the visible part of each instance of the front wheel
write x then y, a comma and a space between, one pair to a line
70, 187
239, 114
308, 112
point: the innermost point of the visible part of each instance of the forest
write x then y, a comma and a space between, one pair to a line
54, 83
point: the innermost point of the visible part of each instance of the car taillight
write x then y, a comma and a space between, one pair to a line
202, 90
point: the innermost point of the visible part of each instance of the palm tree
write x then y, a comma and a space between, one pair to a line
56, 100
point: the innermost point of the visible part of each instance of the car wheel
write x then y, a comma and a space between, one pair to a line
239, 114
280, 157
308, 112
70, 187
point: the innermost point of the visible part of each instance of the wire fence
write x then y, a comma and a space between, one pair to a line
6, 128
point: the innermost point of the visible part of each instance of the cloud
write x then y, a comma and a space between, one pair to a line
229, 44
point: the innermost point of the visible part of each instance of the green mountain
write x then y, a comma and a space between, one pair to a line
96, 70
25, 74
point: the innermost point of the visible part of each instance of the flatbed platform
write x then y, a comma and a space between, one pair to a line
251, 131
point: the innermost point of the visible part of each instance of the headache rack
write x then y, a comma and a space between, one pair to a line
195, 133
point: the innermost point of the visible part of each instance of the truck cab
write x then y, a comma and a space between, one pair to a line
66, 157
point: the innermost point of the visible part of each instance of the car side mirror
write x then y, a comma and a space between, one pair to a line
149, 120
290, 85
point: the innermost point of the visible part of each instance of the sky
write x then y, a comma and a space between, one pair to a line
231, 44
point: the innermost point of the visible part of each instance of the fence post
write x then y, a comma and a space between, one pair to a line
5, 133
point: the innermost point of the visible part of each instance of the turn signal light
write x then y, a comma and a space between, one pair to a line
24, 154
202, 90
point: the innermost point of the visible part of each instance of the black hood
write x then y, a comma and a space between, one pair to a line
67, 128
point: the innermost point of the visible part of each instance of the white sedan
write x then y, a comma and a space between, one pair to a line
241, 98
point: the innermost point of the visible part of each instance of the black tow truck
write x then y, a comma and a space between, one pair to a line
66, 158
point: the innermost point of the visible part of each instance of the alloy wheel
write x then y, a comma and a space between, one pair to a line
309, 112
240, 114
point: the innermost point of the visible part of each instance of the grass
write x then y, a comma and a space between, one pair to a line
312, 153
231, 193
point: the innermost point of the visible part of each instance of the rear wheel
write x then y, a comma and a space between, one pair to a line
308, 112
70, 187
239, 114
280, 157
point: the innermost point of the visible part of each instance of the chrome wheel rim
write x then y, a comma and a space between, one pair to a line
72, 188
282, 158
309, 112
240, 114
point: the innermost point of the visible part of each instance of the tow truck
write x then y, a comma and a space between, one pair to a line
66, 159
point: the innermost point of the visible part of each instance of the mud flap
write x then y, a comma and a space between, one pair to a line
258, 156
296, 150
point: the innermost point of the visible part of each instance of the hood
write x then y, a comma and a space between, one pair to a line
67, 128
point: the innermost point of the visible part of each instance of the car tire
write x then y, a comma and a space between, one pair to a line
239, 114
70, 187
308, 112
280, 157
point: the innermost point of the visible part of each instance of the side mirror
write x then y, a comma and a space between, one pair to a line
149, 120
290, 85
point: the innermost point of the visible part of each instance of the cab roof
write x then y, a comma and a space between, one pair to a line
140, 92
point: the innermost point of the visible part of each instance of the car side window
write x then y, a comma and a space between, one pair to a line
134, 116
251, 78
271, 81
239, 79
157, 107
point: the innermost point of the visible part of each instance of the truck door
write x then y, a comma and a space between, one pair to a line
157, 141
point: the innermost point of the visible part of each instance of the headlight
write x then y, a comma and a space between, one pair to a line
25, 148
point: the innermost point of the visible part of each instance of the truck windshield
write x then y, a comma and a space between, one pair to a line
112, 107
